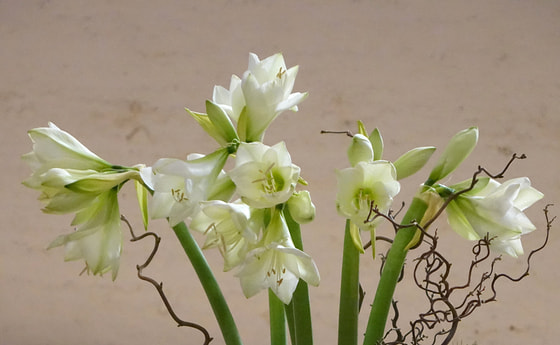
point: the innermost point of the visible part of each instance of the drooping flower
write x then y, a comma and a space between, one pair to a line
228, 227
179, 186
363, 184
72, 179
98, 238
495, 210
264, 175
277, 264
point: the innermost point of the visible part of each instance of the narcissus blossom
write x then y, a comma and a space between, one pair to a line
495, 210
277, 264
264, 175
363, 184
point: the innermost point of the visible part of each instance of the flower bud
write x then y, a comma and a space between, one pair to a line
301, 207
360, 150
459, 148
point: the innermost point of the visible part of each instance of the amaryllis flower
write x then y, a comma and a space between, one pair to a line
264, 175
263, 93
228, 227
360, 186
277, 264
98, 237
179, 186
495, 210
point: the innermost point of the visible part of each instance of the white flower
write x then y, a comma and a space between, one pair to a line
363, 184
98, 238
264, 175
179, 186
264, 91
495, 210
277, 264
228, 227
55, 148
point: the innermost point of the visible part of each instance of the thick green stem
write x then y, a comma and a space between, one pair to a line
390, 275
277, 320
210, 285
299, 308
349, 292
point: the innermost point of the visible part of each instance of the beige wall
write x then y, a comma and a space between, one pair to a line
118, 74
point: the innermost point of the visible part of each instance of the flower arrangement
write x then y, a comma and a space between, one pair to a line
252, 213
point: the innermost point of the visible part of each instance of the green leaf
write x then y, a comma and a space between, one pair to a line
412, 161
142, 195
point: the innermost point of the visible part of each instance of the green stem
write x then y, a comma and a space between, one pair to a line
390, 275
277, 320
299, 307
210, 285
349, 292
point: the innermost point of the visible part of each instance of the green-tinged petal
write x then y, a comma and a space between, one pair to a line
99, 182
459, 222
142, 196
357, 238
412, 161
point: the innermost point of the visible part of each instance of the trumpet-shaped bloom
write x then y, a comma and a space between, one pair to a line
264, 175
495, 210
179, 186
228, 227
264, 91
277, 264
98, 238
362, 185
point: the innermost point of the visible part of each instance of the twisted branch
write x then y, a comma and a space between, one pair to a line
159, 286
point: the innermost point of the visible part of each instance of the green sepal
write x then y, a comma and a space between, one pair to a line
142, 196
206, 124
222, 123
412, 161
242, 125
362, 129
377, 144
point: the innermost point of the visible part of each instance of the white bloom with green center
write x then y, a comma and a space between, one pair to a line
98, 238
263, 93
277, 264
227, 227
179, 186
264, 175
495, 210
364, 184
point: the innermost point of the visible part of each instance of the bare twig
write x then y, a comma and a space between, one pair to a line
159, 286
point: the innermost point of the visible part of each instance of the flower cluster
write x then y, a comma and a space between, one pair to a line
486, 209
243, 212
